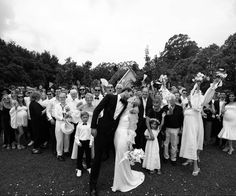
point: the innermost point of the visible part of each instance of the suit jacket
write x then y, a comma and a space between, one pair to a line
141, 107
106, 125
217, 106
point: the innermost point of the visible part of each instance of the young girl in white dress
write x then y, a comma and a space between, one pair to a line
152, 155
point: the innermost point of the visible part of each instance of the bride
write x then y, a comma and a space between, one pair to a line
126, 179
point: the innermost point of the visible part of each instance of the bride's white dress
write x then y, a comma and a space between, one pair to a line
125, 179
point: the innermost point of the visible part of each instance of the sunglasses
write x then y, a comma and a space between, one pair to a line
97, 90
82, 89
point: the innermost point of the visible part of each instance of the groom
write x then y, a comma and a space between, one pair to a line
103, 129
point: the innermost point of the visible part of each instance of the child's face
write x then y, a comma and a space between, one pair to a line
84, 118
154, 125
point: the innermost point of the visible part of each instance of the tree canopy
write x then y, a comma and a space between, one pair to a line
180, 60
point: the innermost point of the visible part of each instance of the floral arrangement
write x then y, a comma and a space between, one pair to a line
67, 114
200, 77
133, 156
163, 78
221, 73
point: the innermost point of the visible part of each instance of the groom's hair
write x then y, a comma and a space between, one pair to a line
126, 89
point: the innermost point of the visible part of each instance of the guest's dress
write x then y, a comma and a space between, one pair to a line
152, 156
229, 123
193, 130
37, 120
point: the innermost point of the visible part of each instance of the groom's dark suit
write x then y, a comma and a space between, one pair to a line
106, 127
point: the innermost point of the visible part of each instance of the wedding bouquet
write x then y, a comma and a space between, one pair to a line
221, 74
67, 114
200, 77
133, 156
163, 78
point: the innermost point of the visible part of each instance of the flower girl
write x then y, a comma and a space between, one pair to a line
152, 156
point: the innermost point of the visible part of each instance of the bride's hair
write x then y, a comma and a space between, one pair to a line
135, 101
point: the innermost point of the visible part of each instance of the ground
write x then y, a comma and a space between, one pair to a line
22, 173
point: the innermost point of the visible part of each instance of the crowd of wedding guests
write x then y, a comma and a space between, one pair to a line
37, 118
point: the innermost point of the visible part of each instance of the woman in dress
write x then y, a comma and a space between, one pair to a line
37, 119
193, 131
19, 110
229, 123
126, 179
7, 130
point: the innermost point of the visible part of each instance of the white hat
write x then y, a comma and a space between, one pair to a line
67, 127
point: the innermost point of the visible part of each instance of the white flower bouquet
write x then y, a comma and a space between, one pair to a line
221, 74
67, 114
163, 78
133, 156
200, 77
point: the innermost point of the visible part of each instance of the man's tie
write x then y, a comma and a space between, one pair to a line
84, 123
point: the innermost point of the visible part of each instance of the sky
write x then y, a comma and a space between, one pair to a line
113, 30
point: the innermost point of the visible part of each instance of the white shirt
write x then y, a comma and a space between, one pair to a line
50, 110
221, 103
27, 103
97, 101
119, 107
144, 107
83, 132
75, 113
184, 101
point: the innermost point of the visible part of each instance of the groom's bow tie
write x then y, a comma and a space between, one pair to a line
84, 123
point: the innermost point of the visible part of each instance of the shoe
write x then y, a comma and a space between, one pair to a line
23, 147
230, 151
174, 163
78, 173
159, 172
195, 173
93, 192
188, 162
225, 149
31, 143
19, 147
8, 147
165, 160
35, 151
4, 146
60, 158
13, 146
152, 172
44, 145
89, 170
66, 154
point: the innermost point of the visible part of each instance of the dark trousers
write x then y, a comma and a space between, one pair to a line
9, 135
101, 143
81, 150
140, 140
72, 137
37, 138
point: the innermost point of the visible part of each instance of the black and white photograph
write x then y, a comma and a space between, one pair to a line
117, 97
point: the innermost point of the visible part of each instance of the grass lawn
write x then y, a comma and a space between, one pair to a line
22, 173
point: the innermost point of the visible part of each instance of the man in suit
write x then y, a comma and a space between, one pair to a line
218, 121
145, 105
103, 129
